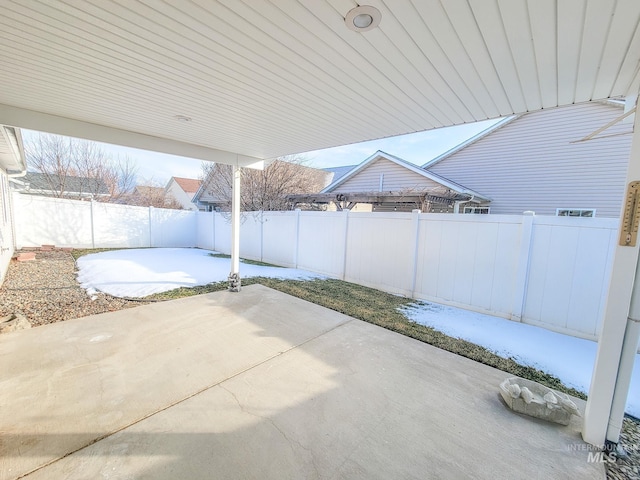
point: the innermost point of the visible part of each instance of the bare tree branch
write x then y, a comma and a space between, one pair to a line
60, 158
261, 190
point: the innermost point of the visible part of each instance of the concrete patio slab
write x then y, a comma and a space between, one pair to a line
260, 385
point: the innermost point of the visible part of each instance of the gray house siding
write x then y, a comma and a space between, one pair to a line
531, 164
395, 178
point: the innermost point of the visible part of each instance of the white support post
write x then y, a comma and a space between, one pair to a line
234, 275
610, 344
522, 273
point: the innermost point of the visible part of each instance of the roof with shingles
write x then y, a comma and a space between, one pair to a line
189, 185
69, 184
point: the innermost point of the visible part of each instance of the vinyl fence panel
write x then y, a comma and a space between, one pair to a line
380, 251
205, 234
172, 228
52, 221
322, 242
120, 226
468, 260
570, 265
280, 230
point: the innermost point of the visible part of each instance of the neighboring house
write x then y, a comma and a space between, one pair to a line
12, 164
148, 196
384, 182
543, 161
67, 186
272, 186
183, 190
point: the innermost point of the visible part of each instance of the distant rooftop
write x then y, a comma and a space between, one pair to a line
44, 183
339, 172
189, 185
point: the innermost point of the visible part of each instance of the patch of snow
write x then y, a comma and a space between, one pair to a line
569, 358
142, 272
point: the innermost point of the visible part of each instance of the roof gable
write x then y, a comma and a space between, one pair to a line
409, 166
498, 125
471, 140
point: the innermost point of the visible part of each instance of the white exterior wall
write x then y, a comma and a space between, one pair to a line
396, 178
183, 198
531, 164
6, 225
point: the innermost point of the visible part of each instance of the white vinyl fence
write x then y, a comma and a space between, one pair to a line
547, 271
74, 223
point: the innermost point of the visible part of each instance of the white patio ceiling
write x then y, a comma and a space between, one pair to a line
267, 78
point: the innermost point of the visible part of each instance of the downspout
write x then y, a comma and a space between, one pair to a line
456, 205
18, 174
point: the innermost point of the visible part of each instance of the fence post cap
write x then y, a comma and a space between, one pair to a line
529, 213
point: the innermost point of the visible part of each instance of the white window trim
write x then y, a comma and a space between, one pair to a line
472, 210
558, 210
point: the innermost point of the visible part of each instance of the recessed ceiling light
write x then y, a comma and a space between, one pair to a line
363, 18
182, 118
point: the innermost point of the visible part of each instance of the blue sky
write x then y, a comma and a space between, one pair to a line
417, 148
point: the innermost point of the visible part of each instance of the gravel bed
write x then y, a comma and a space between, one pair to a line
629, 468
45, 290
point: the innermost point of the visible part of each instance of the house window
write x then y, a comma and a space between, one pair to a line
477, 210
576, 212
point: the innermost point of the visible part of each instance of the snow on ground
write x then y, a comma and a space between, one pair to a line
569, 358
142, 272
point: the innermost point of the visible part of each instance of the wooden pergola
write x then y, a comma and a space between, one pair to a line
425, 201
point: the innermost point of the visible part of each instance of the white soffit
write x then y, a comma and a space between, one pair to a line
268, 78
